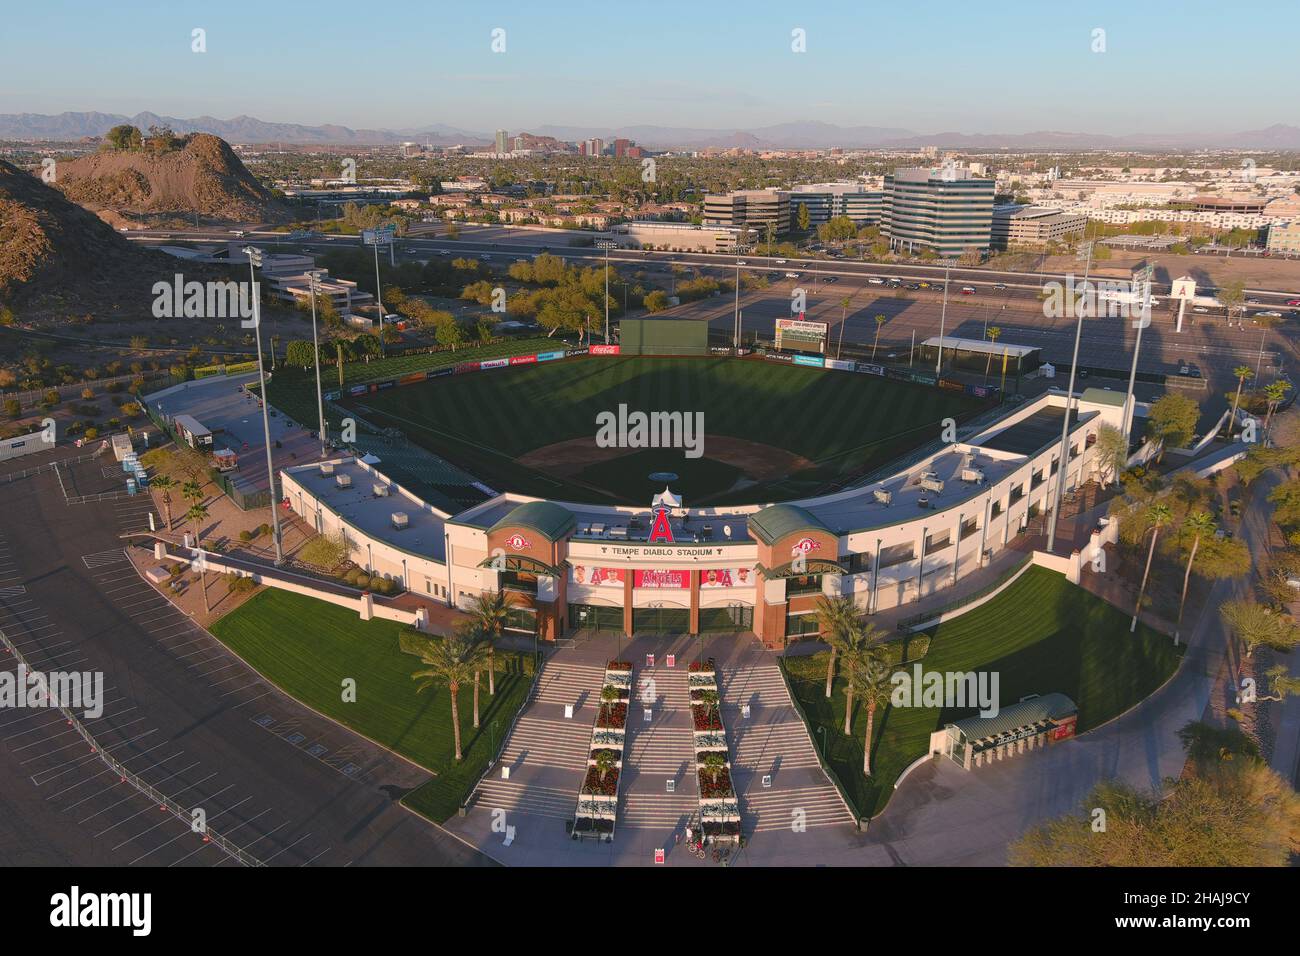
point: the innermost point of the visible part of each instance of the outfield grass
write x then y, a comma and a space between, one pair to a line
308, 647
1041, 635
843, 423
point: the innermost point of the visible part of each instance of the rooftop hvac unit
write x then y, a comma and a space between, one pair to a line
974, 474
400, 520
327, 467
930, 483
343, 481
381, 489
884, 496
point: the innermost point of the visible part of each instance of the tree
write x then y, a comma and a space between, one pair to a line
300, 353
803, 217
1257, 626
993, 333
1274, 393
1112, 451
714, 762
1232, 296
338, 358
605, 761
164, 484
192, 491
490, 610
450, 663
1243, 373
1158, 516
1172, 421
837, 617
856, 652
1198, 523
1230, 809
871, 680
879, 320
196, 515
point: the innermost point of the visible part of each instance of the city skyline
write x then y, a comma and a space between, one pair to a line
586, 68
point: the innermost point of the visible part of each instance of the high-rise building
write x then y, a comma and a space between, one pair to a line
755, 208
945, 209
595, 147
621, 146
1016, 226
503, 145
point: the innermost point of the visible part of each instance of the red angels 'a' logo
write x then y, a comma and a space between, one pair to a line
662, 530
804, 545
517, 542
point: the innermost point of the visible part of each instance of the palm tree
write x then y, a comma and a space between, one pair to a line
450, 664
856, 651
490, 611
196, 516
836, 616
874, 687
994, 332
192, 492
1274, 393
1112, 451
1199, 523
165, 484
469, 633
714, 763
1243, 373
880, 320
1158, 515
605, 761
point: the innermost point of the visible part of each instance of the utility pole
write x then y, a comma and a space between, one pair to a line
314, 279
255, 258
1063, 460
1144, 319
943, 315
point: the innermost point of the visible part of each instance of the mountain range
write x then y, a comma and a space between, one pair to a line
802, 134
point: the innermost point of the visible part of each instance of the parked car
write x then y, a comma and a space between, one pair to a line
1000, 285
874, 280
1200, 308
914, 286
968, 290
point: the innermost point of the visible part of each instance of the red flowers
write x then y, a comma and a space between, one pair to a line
612, 715
604, 788
706, 719
710, 788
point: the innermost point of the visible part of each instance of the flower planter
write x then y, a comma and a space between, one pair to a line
597, 807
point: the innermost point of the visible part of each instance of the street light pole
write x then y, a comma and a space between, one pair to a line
1063, 457
1144, 319
379, 299
254, 257
605, 244
314, 281
943, 315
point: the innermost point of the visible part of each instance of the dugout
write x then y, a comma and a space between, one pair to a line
1029, 725
663, 337
976, 356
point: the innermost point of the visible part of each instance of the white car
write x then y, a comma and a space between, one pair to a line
1200, 308
779, 262
741, 262
875, 281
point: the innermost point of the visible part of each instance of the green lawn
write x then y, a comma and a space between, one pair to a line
843, 423
308, 647
1042, 634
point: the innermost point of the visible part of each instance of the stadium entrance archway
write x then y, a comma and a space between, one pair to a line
596, 618
661, 618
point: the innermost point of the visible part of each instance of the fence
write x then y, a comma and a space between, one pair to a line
164, 802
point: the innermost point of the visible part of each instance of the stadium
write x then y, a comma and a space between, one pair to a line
810, 477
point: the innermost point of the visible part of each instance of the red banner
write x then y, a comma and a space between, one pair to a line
726, 578
604, 349
523, 360
661, 579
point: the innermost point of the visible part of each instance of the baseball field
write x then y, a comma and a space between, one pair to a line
769, 431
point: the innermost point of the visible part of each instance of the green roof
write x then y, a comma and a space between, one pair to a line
545, 517
1104, 396
776, 521
1032, 711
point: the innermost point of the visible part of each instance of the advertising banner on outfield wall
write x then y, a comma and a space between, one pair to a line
358, 389
662, 580
982, 391
494, 363
549, 356
604, 349
385, 386
606, 577
814, 360
842, 364
575, 351
523, 359
333, 396
411, 379
464, 367
951, 386
439, 372
866, 368
778, 357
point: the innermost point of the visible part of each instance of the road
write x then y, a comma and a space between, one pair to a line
288, 786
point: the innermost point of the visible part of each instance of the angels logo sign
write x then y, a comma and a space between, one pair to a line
517, 542
804, 545
662, 530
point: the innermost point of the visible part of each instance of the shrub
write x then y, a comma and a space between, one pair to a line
92, 433
13, 408
88, 393
51, 398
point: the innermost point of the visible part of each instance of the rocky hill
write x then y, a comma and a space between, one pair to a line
202, 176
56, 257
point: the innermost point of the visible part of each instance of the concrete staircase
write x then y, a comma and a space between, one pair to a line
773, 741
658, 751
546, 753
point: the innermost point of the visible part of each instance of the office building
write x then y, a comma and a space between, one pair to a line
503, 144
1285, 237
753, 208
827, 200
1016, 226
945, 209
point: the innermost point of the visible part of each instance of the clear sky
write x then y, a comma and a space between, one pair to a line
1007, 67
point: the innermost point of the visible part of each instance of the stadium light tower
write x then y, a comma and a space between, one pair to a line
606, 244
943, 315
313, 278
1063, 457
255, 259
1141, 289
